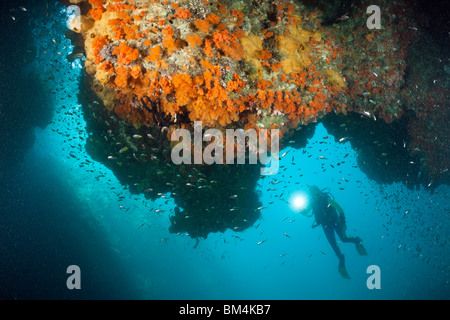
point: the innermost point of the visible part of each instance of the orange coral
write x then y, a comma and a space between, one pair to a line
125, 54
265, 55
213, 19
136, 72
168, 31
205, 89
121, 77
235, 84
228, 44
183, 88
183, 13
193, 40
97, 45
97, 3
239, 17
169, 43
202, 25
233, 50
106, 66
208, 49
97, 13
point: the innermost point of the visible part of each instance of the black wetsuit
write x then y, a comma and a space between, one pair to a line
327, 216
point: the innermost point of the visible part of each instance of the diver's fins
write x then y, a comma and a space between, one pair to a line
342, 270
361, 250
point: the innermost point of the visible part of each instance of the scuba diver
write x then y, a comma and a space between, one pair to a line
330, 216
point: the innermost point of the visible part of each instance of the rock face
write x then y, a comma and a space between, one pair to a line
251, 64
225, 64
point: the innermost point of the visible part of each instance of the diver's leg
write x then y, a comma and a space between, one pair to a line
329, 233
340, 230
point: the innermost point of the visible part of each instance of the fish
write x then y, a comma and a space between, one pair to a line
159, 210
71, 57
341, 140
112, 158
234, 196
261, 242
137, 136
260, 208
287, 235
284, 154
123, 149
23, 9
322, 157
343, 17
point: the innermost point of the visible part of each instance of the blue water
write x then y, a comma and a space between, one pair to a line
59, 210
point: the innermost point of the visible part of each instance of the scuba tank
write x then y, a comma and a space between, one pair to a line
324, 213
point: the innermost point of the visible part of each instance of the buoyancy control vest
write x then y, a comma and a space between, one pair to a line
324, 213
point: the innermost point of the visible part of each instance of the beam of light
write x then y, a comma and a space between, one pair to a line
298, 201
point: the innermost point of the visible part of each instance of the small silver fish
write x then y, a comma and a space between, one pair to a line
284, 154
344, 17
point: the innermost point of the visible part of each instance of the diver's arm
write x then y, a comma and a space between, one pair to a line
306, 210
338, 208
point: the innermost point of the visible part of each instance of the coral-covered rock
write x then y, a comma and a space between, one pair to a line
215, 61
